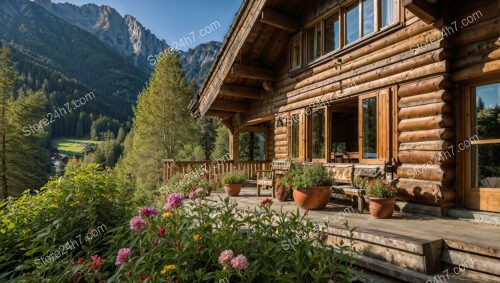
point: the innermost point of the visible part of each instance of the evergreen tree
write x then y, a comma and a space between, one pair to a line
221, 147
161, 123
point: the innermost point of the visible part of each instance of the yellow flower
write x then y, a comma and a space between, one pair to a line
196, 237
167, 268
167, 214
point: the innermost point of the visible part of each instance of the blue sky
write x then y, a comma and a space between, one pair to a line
174, 19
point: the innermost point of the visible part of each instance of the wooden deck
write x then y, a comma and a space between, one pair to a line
408, 247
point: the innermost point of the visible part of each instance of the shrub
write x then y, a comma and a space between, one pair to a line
235, 177
216, 241
69, 217
311, 176
379, 188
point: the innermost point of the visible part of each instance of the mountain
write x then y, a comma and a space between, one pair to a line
68, 62
130, 39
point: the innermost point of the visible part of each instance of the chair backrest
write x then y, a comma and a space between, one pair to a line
341, 173
280, 166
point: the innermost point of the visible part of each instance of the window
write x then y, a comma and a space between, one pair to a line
388, 11
313, 42
373, 127
296, 52
368, 16
332, 33
318, 134
352, 24
295, 136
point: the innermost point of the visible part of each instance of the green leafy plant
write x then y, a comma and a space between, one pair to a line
311, 176
288, 177
235, 177
379, 188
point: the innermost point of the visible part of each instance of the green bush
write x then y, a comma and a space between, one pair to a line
235, 177
311, 176
70, 217
379, 188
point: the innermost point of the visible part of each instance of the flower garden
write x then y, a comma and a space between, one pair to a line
179, 236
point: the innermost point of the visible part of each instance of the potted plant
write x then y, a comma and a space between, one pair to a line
311, 187
282, 190
382, 195
233, 182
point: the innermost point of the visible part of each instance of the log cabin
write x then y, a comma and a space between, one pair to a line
372, 83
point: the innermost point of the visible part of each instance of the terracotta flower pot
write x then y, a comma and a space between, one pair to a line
313, 198
282, 193
232, 189
381, 207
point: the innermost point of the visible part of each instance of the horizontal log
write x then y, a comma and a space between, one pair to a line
426, 135
229, 106
252, 72
281, 137
424, 192
426, 11
424, 86
241, 91
477, 59
425, 110
426, 123
280, 130
426, 145
476, 71
218, 113
426, 98
425, 157
426, 172
281, 156
280, 150
477, 48
281, 143
477, 31
279, 20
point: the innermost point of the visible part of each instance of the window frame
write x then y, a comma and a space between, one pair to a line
297, 37
301, 136
310, 155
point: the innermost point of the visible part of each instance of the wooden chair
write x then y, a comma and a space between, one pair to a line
278, 167
343, 176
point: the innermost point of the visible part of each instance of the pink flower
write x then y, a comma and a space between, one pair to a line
95, 262
225, 256
266, 201
148, 211
123, 255
240, 262
161, 232
173, 200
137, 223
196, 193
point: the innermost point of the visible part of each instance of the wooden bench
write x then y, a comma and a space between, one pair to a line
278, 167
343, 176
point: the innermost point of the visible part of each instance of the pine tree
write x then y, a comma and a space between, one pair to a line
221, 143
162, 124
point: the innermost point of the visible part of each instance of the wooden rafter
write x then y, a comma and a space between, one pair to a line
218, 113
279, 20
426, 11
241, 91
229, 106
252, 72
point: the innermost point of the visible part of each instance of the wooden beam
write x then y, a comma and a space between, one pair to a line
252, 72
279, 20
424, 10
218, 113
241, 91
229, 106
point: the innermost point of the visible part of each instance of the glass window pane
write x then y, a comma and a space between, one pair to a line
388, 12
368, 17
485, 168
295, 136
486, 124
317, 45
332, 40
352, 24
369, 127
318, 133
310, 44
295, 50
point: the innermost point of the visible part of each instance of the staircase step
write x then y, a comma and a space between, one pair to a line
468, 261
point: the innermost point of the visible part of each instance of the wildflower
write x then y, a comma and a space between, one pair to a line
123, 255
137, 223
322, 238
72, 263
155, 243
161, 232
95, 262
80, 260
266, 201
225, 256
148, 211
76, 277
143, 277
240, 262
173, 200
167, 214
196, 237
199, 248
167, 268
176, 244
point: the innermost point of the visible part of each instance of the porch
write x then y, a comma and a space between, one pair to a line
407, 247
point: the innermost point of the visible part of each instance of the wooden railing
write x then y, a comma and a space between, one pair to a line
213, 169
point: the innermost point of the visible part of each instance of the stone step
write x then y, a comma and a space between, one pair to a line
416, 254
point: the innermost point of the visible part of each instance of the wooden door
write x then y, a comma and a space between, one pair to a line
481, 146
